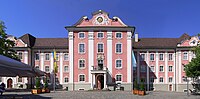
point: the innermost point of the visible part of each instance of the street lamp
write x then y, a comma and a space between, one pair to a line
186, 80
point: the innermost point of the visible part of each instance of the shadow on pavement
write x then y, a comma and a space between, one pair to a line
22, 96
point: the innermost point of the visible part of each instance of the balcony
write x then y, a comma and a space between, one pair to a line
99, 69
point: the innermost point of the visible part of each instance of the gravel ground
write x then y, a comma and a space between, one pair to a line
97, 95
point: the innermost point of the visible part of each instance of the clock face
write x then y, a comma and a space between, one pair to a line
100, 19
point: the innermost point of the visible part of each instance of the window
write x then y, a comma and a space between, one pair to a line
20, 55
19, 79
37, 56
81, 35
152, 68
100, 35
81, 63
161, 68
143, 68
151, 57
170, 79
37, 67
170, 57
66, 79
118, 35
81, 77
161, 79
46, 68
170, 68
100, 48
81, 48
142, 57
118, 77
57, 56
185, 56
119, 63
160, 56
151, 79
66, 57
118, 48
66, 68
46, 56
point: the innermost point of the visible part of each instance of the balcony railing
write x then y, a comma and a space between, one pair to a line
97, 69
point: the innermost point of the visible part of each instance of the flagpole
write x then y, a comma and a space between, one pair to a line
54, 74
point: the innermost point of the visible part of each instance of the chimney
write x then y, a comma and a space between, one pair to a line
136, 37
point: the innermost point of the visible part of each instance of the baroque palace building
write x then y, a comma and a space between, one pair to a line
101, 51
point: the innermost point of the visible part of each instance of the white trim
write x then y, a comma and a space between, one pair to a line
25, 57
166, 68
172, 68
79, 64
84, 48
67, 69
45, 57
163, 80
150, 56
42, 61
172, 56
97, 47
45, 68
25, 45
116, 48
64, 80
109, 54
71, 58
90, 55
64, 56
117, 33
157, 67
183, 55
179, 67
79, 78
163, 57
129, 59
51, 62
80, 33
116, 64
98, 35
163, 68
61, 67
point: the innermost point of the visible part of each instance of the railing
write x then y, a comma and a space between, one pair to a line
99, 68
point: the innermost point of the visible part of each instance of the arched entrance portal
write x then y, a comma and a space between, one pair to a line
9, 83
100, 81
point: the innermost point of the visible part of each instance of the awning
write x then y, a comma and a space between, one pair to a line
12, 68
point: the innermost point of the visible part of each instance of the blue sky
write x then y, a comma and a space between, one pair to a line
152, 18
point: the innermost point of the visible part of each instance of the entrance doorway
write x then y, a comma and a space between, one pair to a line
100, 81
9, 83
170, 87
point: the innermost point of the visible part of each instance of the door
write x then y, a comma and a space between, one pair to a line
170, 87
100, 81
9, 83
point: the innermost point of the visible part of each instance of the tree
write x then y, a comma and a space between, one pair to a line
6, 45
193, 68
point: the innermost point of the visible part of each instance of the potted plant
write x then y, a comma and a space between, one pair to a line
135, 91
142, 90
46, 89
37, 84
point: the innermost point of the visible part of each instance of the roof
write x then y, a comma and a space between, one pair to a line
51, 43
159, 43
28, 39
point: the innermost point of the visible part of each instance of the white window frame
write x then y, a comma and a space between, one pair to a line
153, 57
67, 69
79, 77
160, 79
79, 64
116, 64
98, 35
45, 68
169, 80
151, 68
81, 33
67, 56
169, 57
46, 57
116, 48
79, 48
118, 33
37, 66
184, 56
121, 78
98, 48
162, 68
38, 55
171, 68
20, 56
68, 79
162, 57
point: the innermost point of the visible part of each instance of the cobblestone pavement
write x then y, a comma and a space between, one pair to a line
97, 95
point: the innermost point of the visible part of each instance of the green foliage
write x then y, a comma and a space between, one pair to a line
37, 84
142, 87
6, 44
193, 68
135, 85
46, 84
